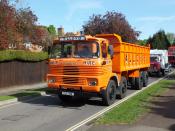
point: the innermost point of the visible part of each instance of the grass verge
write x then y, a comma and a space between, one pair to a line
24, 94
3, 98
132, 109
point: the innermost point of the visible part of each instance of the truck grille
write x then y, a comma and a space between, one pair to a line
71, 74
74, 70
71, 80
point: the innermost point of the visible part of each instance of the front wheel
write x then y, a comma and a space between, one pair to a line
109, 94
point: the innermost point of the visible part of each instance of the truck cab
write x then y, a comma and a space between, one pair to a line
159, 62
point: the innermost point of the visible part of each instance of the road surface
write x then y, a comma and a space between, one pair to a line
48, 113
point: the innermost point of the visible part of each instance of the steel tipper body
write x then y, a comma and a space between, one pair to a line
100, 66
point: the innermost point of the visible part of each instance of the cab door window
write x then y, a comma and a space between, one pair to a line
104, 50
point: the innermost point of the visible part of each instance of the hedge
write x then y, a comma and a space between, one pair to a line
21, 55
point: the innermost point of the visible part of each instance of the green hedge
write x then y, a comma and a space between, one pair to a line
9, 55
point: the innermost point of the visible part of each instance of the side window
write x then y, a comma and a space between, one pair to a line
104, 50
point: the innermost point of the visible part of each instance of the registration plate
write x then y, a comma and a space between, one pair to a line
67, 93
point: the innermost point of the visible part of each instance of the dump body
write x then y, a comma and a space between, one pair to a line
127, 56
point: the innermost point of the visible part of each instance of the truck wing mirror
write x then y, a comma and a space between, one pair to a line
111, 50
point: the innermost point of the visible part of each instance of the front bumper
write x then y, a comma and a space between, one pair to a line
78, 93
84, 88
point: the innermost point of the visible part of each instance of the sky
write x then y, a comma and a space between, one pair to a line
147, 16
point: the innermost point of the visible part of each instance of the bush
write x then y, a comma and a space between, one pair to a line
9, 55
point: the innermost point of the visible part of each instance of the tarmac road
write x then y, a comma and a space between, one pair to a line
48, 113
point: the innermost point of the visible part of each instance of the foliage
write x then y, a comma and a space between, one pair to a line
7, 24
111, 22
26, 23
8, 55
19, 26
52, 30
42, 37
171, 38
159, 41
142, 42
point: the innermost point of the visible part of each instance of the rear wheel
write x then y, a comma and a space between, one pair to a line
132, 81
109, 94
159, 74
122, 88
163, 72
145, 78
139, 82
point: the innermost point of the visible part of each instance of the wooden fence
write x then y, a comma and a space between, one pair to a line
21, 73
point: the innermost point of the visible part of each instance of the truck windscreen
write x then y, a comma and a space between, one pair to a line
154, 59
75, 50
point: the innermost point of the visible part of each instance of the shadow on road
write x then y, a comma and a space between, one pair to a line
54, 101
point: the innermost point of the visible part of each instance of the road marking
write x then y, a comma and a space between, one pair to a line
112, 106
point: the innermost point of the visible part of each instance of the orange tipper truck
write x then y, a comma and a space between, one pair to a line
101, 65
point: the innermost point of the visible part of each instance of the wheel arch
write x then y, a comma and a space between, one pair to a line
115, 78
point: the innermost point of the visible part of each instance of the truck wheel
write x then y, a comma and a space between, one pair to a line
150, 74
122, 88
109, 94
159, 74
163, 72
145, 78
65, 98
139, 82
132, 81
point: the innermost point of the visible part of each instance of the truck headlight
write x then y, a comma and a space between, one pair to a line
51, 80
92, 82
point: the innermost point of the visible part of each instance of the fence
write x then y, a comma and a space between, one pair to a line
21, 73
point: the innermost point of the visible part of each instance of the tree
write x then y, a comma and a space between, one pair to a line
173, 43
26, 23
51, 29
159, 40
142, 42
111, 22
41, 37
7, 24
170, 37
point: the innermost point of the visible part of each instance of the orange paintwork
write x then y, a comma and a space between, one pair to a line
127, 56
75, 73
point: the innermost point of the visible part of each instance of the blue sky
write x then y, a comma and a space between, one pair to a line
147, 16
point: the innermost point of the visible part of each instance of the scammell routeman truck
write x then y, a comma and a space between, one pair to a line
101, 66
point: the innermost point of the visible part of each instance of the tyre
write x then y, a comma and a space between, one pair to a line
159, 73
122, 88
150, 74
145, 78
132, 81
65, 98
109, 95
139, 82
163, 72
